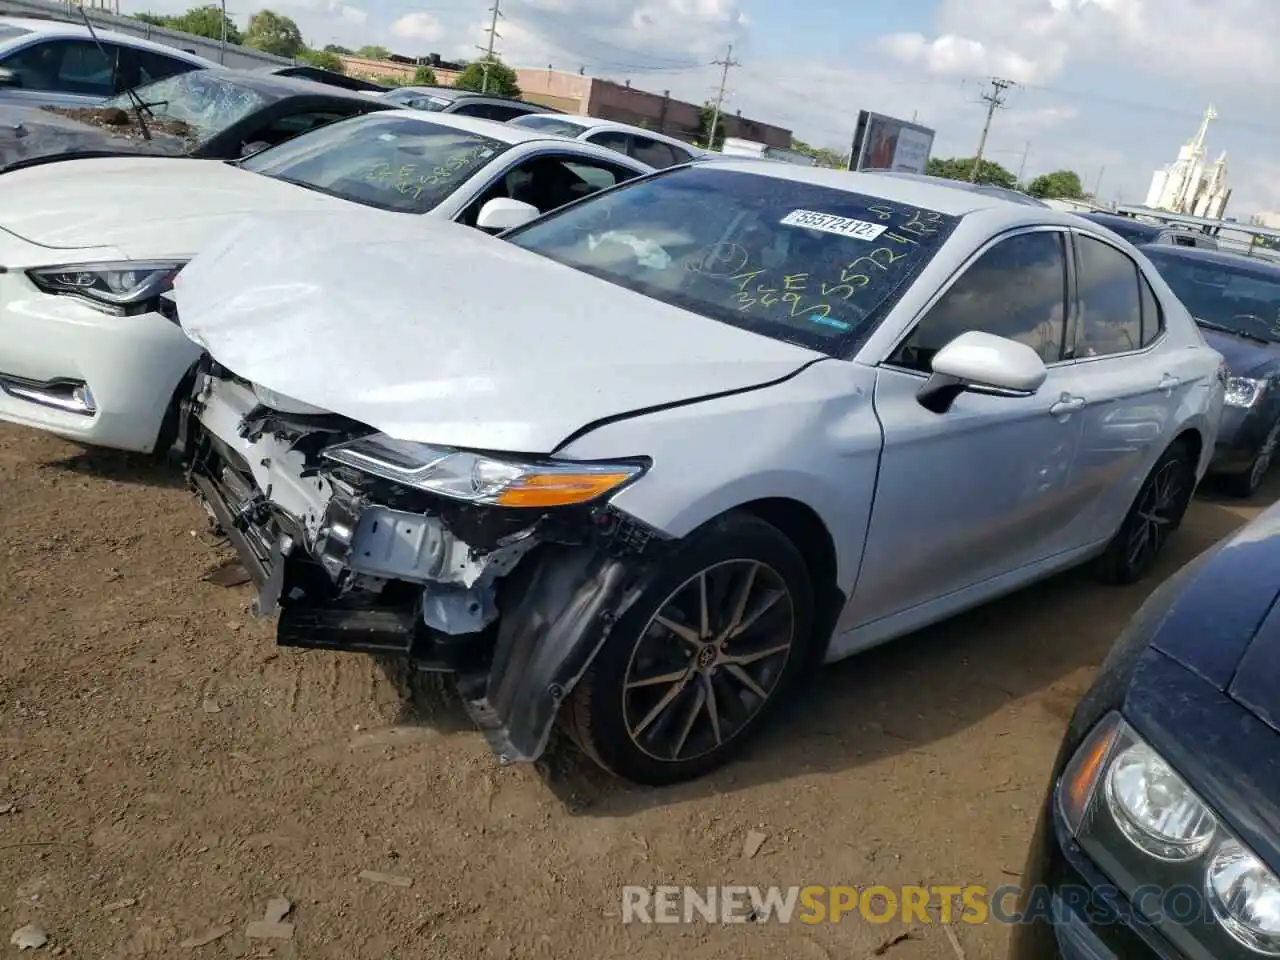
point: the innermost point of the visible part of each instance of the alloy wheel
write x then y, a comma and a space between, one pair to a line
708, 660
1158, 511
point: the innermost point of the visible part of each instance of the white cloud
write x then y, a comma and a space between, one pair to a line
418, 26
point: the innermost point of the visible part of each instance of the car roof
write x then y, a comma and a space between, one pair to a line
1110, 219
1223, 258
453, 93
943, 196
990, 189
487, 128
61, 29
597, 123
278, 87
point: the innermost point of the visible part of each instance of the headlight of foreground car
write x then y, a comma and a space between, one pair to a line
480, 478
1166, 849
116, 288
1244, 391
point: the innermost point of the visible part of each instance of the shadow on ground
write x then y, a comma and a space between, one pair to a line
119, 466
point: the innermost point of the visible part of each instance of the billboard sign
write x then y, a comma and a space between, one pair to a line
886, 143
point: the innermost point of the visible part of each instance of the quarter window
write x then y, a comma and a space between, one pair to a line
1017, 289
1110, 300
612, 140
1152, 316
654, 152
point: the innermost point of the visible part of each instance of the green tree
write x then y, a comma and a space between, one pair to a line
825, 156
155, 19
271, 32
206, 21
501, 78
961, 168
424, 77
373, 52
336, 48
324, 59
1060, 185
712, 140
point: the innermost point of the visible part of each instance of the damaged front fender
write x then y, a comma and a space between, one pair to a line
568, 602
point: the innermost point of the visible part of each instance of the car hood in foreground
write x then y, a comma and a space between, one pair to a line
28, 133
437, 333
1243, 356
145, 206
1224, 624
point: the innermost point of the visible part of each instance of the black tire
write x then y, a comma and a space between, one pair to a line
738, 562
1156, 512
1246, 484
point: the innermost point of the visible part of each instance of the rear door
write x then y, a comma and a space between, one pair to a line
1132, 385
986, 488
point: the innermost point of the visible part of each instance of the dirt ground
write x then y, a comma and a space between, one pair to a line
165, 770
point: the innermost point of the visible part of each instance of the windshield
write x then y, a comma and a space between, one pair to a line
807, 264
1244, 299
418, 100
548, 123
204, 101
388, 160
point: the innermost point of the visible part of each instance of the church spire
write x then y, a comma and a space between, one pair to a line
1202, 134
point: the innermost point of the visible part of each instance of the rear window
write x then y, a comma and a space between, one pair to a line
1131, 230
547, 124
798, 262
1242, 298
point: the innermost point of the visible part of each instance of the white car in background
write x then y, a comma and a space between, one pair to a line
48, 63
656, 149
88, 349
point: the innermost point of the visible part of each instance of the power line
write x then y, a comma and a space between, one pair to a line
487, 63
1022, 165
726, 63
994, 101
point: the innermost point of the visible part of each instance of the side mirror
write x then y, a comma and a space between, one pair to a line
503, 213
8, 78
981, 360
249, 149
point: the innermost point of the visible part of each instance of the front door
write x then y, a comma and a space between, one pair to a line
987, 487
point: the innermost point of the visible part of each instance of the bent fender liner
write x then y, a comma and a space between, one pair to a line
568, 603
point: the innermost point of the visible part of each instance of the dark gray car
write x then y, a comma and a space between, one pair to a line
1236, 302
1139, 232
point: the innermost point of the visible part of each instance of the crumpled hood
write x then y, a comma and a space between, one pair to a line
27, 133
437, 333
1243, 356
145, 206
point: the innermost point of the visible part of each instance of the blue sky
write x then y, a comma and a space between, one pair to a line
1109, 88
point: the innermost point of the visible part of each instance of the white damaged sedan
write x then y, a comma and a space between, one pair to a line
638, 464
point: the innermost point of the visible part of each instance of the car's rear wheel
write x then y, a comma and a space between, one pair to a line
1246, 484
1156, 512
701, 660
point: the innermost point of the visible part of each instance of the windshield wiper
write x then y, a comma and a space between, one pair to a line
1223, 328
138, 106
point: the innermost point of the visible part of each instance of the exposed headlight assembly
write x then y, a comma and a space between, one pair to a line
483, 478
1149, 831
1244, 391
122, 288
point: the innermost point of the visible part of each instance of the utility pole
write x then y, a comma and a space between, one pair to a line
726, 63
488, 50
1022, 165
994, 100
222, 54
1097, 184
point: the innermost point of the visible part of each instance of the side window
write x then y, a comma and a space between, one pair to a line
1110, 300
287, 127
1017, 289
653, 152
612, 140
1152, 316
154, 66
548, 182
501, 113
66, 66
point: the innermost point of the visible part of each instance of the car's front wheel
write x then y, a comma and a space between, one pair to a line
1246, 484
698, 663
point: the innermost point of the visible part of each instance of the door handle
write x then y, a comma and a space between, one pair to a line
1067, 404
1167, 384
